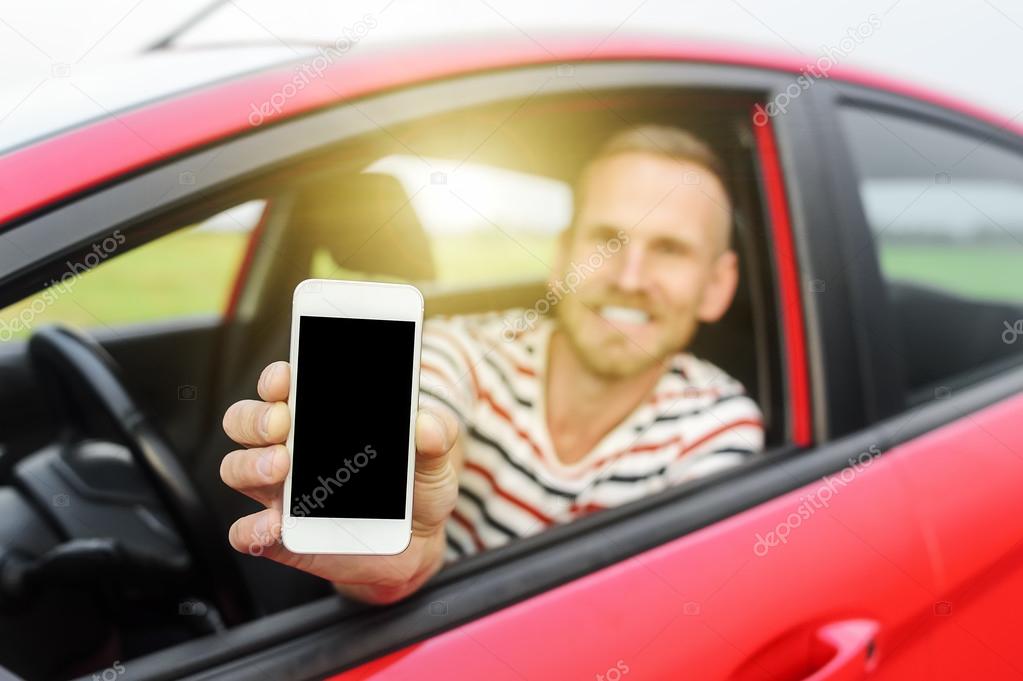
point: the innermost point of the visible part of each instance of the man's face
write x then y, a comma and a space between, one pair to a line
657, 231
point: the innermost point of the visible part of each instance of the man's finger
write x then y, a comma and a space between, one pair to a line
255, 423
253, 471
275, 382
435, 435
257, 534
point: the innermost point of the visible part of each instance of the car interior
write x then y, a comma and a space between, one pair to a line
938, 342
137, 540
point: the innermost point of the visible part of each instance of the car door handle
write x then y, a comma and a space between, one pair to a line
851, 645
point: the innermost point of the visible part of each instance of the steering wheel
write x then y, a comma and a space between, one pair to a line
86, 386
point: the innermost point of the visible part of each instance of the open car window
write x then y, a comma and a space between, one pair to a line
105, 288
473, 219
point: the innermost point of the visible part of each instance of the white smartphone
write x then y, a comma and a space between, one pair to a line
355, 350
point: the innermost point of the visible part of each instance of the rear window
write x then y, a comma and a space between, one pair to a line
946, 213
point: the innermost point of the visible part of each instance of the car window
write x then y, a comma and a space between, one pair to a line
946, 213
470, 207
485, 224
187, 272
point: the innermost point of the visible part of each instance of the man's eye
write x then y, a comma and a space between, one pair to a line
671, 248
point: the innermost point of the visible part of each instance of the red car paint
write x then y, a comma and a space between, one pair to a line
710, 605
800, 421
57, 168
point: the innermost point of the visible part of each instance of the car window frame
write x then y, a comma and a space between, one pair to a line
147, 194
642, 525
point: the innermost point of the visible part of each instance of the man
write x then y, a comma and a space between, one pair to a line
528, 420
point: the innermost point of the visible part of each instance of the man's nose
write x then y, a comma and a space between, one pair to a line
631, 275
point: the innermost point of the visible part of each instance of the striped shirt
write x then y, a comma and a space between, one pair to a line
696, 421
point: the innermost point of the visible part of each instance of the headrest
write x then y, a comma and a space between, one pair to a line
367, 223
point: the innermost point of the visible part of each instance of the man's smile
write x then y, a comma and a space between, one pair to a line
628, 316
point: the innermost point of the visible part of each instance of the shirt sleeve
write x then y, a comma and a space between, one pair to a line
725, 434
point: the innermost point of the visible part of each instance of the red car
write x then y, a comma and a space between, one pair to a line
878, 325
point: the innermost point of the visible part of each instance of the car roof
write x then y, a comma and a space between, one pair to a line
222, 100
121, 85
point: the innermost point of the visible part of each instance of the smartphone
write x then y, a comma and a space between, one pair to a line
355, 350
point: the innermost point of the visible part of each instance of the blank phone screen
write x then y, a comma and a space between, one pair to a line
351, 440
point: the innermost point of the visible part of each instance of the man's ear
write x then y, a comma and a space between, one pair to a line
721, 287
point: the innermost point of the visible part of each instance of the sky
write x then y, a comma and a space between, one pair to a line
971, 49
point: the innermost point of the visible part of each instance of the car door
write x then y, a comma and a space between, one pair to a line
939, 209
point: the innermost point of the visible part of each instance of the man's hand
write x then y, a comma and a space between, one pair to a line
259, 472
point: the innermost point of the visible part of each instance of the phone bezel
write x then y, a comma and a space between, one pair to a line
354, 300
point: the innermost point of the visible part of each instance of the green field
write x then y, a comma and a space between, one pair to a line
181, 274
984, 272
191, 272
478, 257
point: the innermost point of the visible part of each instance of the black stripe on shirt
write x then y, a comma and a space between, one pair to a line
429, 393
477, 435
459, 371
663, 469
487, 518
507, 383
661, 418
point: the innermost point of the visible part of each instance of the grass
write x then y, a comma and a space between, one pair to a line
984, 272
478, 257
185, 273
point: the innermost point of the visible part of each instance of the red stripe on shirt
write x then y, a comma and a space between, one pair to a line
524, 370
584, 509
483, 472
497, 349
690, 446
466, 357
685, 393
675, 439
504, 414
438, 371
464, 522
